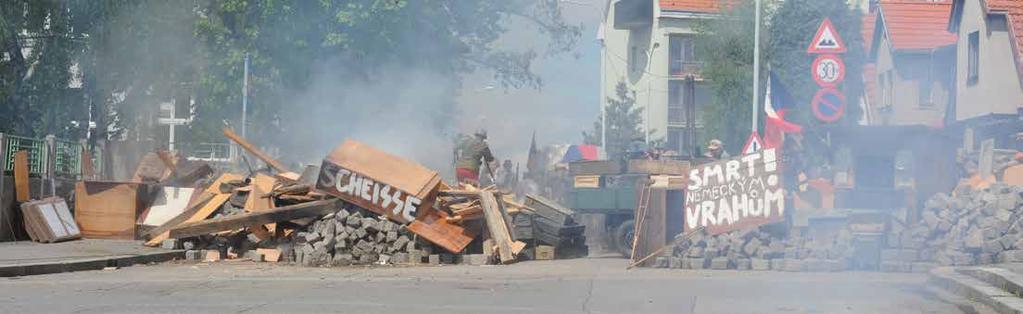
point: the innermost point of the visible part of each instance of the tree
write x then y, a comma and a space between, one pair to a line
726, 45
624, 122
726, 49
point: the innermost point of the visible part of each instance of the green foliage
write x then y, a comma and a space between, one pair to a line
135, 54
624, 122
788, 26
726, 48
792, 28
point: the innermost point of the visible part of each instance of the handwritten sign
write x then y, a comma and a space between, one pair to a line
368, 193
733, 194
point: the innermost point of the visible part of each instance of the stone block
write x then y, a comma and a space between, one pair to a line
193, 255
794, 265
777, 264
399, 258
719, 263
760, 264
743, 264
434, 259
415, 258
896, 267
922, 267
254, 256
476, 259
169, 244
899, 255
660, 262
368, 258
697, 262
675, 262
343, 259
447, 258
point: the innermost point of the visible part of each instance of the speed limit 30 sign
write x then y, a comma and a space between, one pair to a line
828, 70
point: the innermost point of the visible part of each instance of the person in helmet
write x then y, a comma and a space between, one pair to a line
716, 150
474, 152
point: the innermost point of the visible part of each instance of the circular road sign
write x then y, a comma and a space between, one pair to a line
828, 70
828, 104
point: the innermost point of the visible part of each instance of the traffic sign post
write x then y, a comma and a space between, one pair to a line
828, 104
826, 40
828, 70
753, 144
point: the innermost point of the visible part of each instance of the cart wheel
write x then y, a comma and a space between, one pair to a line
623, 237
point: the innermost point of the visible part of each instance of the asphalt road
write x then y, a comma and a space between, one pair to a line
568, 286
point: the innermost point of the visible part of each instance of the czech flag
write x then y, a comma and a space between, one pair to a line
778, 102
581, 152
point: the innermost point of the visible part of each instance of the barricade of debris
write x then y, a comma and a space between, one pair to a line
361, 206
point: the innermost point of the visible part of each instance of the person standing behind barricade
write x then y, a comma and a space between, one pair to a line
716, 150
474, 151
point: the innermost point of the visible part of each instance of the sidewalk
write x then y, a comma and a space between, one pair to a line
30, 258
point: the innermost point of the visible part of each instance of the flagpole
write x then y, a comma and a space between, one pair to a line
756, 64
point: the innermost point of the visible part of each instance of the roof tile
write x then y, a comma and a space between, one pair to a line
917, 24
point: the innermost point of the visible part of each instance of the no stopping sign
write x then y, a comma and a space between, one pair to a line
828, 104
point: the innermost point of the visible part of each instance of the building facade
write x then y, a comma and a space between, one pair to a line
913, 62
651, 47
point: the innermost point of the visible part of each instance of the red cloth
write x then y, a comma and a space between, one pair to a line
775, 129
467, 175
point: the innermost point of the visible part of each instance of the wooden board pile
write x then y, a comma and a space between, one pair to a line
363, 206
547, 223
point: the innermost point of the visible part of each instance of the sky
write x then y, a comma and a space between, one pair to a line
566, 105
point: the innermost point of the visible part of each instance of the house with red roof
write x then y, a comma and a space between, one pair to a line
651, 46
989, 68
910, 80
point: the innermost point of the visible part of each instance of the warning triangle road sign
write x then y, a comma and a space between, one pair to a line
826, 40
753, 144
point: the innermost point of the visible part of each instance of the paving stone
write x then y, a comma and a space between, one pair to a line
434, 259
922, 267
777, 264
697, 262
399, 258
794, 265
675, 262
660, 262
193, 255
760, 264
719, 263
169, 244
743, 264
896, 267
343, 259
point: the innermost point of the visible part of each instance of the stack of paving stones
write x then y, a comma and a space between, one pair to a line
755, 249
355, 237
970, 228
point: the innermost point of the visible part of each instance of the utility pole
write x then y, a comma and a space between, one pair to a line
756, 66
603, 97
245, 95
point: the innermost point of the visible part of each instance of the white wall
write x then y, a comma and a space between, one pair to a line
997, 90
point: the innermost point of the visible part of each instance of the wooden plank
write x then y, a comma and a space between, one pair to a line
108, 210
199, 213
497, 227
259, 200
434, 227
88, 170
270, 255
303, 210
252, 149
21, 181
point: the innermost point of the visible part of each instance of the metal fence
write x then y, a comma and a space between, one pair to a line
65, 157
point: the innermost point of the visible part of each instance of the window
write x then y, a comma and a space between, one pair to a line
682, 54
677, 94
973, 66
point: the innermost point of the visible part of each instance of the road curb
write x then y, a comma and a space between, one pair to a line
89, 263
976, 290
